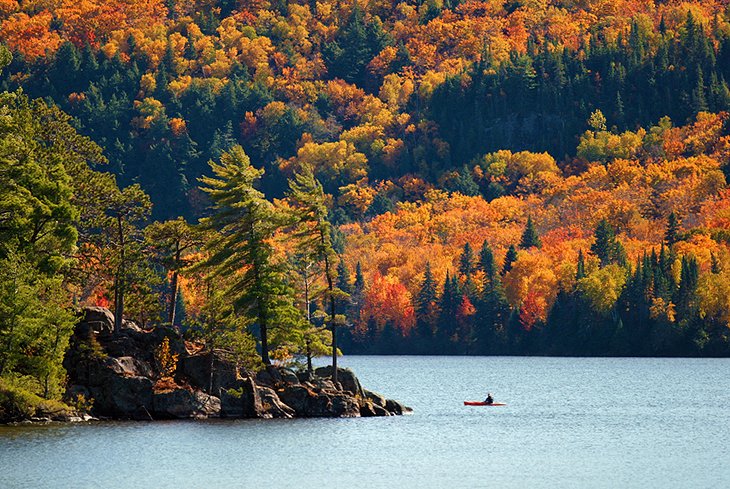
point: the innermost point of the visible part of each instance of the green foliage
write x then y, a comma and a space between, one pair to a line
603, 287
240, 251
672, 234
530, 238
509, 259
466, 261
354, 46
37, 214
35, 325
172, 243
314, 233
225, 332
17, 403
606, 247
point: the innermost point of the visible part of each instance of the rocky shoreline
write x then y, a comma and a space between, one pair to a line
118, 374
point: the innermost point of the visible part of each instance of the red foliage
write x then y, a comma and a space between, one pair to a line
388, 300
531, 311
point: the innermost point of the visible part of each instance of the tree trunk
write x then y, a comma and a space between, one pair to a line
210, 380
173, 286
264, 340
308, 340
330, 286
119, 289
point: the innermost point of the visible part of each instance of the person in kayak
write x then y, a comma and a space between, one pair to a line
489, 399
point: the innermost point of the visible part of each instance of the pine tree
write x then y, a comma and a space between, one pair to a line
343, 277
509, 259
486, 261
606, 247
466, 261
581, 267
530, 238
672, 234
173, 241
714, 263
315, 234
243, 223
492, 309
427, 304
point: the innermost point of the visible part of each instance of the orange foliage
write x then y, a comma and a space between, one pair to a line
30, 36
387, 300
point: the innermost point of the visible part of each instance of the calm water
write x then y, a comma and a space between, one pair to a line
569, 423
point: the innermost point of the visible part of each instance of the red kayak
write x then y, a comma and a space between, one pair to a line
482, 403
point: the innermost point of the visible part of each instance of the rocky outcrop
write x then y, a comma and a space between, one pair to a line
184, 403
345, 377
119, 373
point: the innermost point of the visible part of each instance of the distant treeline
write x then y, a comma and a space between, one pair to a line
648, 308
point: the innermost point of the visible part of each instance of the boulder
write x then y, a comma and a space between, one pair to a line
380, 411
122, 397
272, 405
269, 377
131, 326
367, 409
376, 398
100, 319
308, 403
131, 366
243, 402
197, 370
288, 376
344, 406
345, 377
183, 403
394, 407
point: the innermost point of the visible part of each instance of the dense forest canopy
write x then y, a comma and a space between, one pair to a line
424, 177
366, 92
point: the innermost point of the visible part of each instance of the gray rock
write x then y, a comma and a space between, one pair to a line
123, 397
344, 406
269, 377
394, 407
345, 377
380, 411
131, 326
100, 319
376, 398
288, 376
243, 402
133, 367
367, 409
308, 403
272, 405
182, 403
197, 370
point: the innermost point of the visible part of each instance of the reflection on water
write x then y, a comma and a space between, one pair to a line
569, 422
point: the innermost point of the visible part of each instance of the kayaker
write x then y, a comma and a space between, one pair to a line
489, 399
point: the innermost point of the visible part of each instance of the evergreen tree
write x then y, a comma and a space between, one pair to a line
172, 241
509, 259
427, 304
243, 223
343, 277
672, 234
315, 232
581, 267
606, 247
530, 238
492, 308
466, 261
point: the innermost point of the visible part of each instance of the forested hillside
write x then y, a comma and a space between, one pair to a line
364, 91
521, 177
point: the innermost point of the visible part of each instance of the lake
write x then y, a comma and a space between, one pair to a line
568, 423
